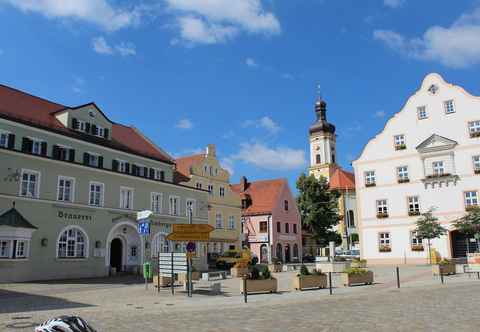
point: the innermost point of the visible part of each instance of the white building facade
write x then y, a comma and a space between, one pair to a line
427, 156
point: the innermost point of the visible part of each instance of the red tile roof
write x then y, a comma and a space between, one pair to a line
342, 180
264, 195
22, 107
184, 164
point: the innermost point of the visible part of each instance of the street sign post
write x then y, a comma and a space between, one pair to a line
170, 264
144, 231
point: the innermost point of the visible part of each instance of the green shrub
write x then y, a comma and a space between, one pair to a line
445, 262
304, 271
318, 272
266, 274
255, 274
355, 271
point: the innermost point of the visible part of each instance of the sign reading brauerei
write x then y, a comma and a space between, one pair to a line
73, 216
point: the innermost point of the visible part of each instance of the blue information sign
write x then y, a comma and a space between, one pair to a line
144, 227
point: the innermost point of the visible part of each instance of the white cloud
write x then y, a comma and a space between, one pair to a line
379, 114
217, 21
457, 46
251, 62
184, 124
271, 158
228, 164
264, 122
101, 46
394, 3
99, 12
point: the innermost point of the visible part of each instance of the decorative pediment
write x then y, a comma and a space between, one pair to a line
436, 143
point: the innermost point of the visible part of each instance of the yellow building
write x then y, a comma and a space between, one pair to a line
203, 171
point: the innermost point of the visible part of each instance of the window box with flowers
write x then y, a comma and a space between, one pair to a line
471, 207
417, 247
403, 180
477, 171
435, 176
413, 213
400, 147
372, 184
382, 215
475, 134
384, 248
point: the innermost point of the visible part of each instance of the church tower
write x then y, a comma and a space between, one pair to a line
322, 144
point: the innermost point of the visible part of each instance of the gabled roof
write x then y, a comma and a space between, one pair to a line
13, 218
342, 180
436, 143
184, 164
264, 195
34, 111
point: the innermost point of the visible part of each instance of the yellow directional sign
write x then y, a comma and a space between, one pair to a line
186, 232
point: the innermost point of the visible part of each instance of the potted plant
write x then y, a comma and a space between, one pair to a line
276, 266
307, 280
444, 267
356, 276
358, 263
259, 282
239, 270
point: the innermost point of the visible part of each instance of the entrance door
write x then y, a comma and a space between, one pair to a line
263, 254
287, 253
116, 252
459, 245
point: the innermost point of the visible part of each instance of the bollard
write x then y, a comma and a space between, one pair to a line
398, 277
330, 281
245, 293
441, 278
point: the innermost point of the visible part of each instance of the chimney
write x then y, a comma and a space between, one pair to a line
211, 150
243, 183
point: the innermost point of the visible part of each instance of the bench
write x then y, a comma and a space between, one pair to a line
207, 276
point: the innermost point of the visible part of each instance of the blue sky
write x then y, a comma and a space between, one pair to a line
241, 74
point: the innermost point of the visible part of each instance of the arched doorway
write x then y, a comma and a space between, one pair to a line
279, 252
116, 254
287, 253
263, 253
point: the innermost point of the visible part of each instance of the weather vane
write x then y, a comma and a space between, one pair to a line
319, 92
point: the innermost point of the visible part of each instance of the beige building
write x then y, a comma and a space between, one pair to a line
203, 171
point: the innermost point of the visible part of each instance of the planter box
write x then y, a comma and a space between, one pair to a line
403, 180
357, 264
413, 213
326, 267
370, 185
164, 281
357, 279
182, 277
400, 147
382, 215
310, 281
238, 272
417, 248
260, 286
385, 249
275, 267
444, 269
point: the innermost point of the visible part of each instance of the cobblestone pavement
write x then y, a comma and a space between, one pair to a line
422, 304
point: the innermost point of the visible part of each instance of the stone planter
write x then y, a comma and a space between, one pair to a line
238, 272
182, 277
444, 269
164, 281
260, 286
326, 267
275, 267
357, 279
357, 264
310, 281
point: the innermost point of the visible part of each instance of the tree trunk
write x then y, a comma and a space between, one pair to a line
429, 253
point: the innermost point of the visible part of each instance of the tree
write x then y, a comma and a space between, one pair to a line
470, 224
318, 206
429, 228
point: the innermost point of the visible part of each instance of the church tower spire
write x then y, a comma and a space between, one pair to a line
322, 143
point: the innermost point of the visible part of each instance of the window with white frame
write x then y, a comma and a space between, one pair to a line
14, 248
402, 173
159, 174
93, 159
449, 106
174, 205
5, 248
4, 139
382, 208
471, 199
190, 204
476, 163
413, 205
157, 199
29, 186
141, 169
72, 244
474, 128
122, 166
96, 194
66, 189
21, 249
36, 146
438, 168
384, 241
126, 198
370, 178
422, 112
415, 240
218, 221
399, 141
222, 192
81, 125
231, 222
99, 131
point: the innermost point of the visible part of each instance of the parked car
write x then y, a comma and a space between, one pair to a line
349, 254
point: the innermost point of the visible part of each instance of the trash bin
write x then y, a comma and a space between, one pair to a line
147, 271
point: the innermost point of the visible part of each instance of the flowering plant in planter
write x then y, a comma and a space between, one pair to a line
306, 279
382, 215
417, 247
403, 180
357, 276
371, 184
413, 213
400, 147
385, 248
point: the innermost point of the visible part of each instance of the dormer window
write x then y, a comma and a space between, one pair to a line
90, 128
399, 141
